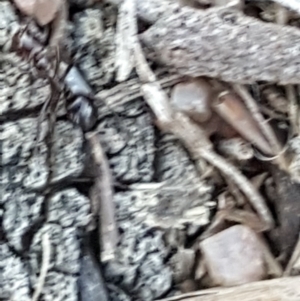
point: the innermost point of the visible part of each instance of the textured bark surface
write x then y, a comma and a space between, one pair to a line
225, 44
30, 208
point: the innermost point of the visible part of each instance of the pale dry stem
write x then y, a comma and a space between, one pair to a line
274, 268
59, 26
46, 246
291, 4
295, 256
283, 18
126, 31
104, 197
293, 108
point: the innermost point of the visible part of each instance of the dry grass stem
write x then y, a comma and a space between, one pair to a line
256, 114
59, 26
126, 31
104, 194
274, 268
291, 4
281, 289
263, 125
295, 256
46, 246
293, 108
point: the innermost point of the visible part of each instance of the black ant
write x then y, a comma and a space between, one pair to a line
47, 64
80, 107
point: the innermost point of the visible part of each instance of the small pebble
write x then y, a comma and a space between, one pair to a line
234, 257
193, 98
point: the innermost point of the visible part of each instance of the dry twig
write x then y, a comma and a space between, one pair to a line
282, 18
254, 109
281, 289
59, 26
46, 246
126, 30
103, 192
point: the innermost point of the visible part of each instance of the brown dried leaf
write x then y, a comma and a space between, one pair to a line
43, 11
230, 107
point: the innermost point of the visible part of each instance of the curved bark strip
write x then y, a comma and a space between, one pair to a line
224, 43
281, 289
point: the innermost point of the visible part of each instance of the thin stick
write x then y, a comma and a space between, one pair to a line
126, 31
59, 26
282, 18
293, 108
104, 194
293, 259
254, 109
46, 245
263, 125
274, 268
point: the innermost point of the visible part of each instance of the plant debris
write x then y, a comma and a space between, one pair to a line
180, 168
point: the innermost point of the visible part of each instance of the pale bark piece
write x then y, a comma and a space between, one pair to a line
193, 98
43, 11
224, 43
281, 289
234, 256
25, 6
291, 4
126, 31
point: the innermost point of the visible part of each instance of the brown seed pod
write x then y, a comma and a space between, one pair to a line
231, 108
43, 11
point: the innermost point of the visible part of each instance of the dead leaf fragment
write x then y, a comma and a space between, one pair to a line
43, 11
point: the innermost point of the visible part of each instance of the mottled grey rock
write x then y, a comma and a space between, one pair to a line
21, 211
60, 287
95, 55
69, 208
141, 268
128, 141
18, 90
14, 282
8, 24
18, 144
65, 250
91, 282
